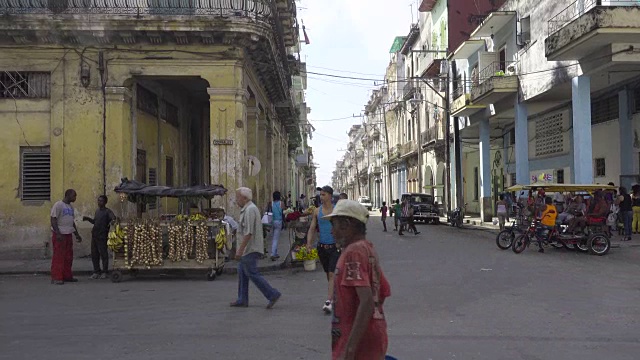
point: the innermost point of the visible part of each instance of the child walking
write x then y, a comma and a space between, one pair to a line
384, 209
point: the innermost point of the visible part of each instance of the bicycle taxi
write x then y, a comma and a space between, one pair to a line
592, 237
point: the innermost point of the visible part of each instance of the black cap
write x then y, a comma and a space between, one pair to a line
328, 189
318, 188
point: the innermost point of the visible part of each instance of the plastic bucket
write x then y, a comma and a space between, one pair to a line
309, 265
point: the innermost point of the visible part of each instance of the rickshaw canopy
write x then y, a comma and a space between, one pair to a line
562, 187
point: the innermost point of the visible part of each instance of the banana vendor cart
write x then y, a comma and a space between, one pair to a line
298, 224
188, 240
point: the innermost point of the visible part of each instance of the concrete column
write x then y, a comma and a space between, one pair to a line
270, 164
485, 170
264, 135
252, 149
626, 136
228, 123
522, 143
120, 137
582, 149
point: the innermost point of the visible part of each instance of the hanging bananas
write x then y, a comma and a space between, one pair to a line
221, 238
116, 239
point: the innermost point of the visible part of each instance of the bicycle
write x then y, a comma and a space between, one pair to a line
520, 223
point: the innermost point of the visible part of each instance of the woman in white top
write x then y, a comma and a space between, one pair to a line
501, 207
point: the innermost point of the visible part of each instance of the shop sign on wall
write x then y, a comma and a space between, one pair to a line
222, 142
542, 178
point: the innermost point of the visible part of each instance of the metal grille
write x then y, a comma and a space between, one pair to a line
169, 113
153, 181
147, 101
604, 110
24, 85
636, 101
257, 9
35, 181
550, 134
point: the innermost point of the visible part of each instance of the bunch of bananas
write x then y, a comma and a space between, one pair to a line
116, 239
221, 238
197, 217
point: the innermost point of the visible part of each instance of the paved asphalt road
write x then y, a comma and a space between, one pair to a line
455, 295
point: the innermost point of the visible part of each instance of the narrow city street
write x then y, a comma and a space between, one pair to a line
455, 295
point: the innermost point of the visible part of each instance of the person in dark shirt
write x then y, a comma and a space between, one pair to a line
99, 234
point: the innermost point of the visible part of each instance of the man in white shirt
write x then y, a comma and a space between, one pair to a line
250, 250
62, 226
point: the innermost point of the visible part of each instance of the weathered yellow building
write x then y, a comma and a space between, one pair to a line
169, 93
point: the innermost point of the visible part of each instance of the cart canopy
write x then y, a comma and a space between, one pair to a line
562, 187
133, 187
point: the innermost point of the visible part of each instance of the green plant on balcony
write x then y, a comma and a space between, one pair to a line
499, 73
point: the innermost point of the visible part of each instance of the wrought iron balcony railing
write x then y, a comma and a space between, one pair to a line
410, 88
256, 9
579, 8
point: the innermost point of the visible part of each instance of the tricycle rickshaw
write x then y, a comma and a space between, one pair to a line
592, 238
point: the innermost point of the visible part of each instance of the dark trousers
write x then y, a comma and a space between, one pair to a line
384, 223
98, 252
62, 259
408, 222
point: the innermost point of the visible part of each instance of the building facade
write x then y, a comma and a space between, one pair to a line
173, 95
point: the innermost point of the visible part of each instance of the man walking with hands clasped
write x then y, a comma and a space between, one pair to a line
250, 250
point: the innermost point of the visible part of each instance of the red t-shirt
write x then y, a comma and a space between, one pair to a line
358, 266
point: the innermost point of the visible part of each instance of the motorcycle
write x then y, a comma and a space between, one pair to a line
456, 217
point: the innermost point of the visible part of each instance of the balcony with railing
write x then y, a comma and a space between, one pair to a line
461, 104
410, 88
433, 134
409, 148
586, 26
495, 82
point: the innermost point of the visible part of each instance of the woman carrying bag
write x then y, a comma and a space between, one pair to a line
276, 208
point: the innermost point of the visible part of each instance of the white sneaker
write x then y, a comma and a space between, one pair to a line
95, 276
328, 307
104, 276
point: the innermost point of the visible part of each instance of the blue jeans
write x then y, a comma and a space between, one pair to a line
627, 218
275, 236
248, 270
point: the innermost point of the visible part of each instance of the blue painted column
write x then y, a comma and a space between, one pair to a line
485, 170
626, 136
582, 141
521, 147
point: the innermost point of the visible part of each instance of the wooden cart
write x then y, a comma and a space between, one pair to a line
212, 261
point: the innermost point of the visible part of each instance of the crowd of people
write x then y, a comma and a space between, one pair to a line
616, 210
356, 285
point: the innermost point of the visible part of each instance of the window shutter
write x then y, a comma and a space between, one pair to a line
35, 164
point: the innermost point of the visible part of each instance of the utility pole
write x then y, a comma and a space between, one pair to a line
386, 139
416, 110
447, 111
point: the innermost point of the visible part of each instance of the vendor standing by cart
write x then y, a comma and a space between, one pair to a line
99, 233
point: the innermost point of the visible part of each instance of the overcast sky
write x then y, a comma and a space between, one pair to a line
348, 38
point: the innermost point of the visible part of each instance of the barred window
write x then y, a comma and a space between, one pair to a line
35, 174
169, 113
147, 101
636, 101
550, 134
25, 85
604, 110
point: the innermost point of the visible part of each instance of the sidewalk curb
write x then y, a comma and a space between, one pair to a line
228, 270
